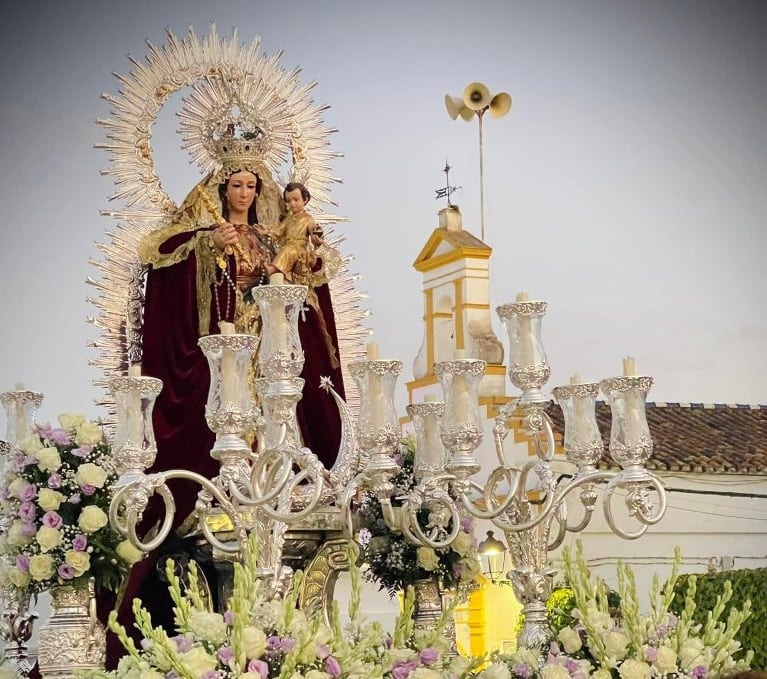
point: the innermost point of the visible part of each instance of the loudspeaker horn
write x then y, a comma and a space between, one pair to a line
476, 96
500, 105
455, 107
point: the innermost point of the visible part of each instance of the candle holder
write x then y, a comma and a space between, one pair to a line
630, 441
583, 440
528, 365
378, 437
279, 399
281, 356
461, 430
378, 429
134, 447
21, 408
430, 455
230, 410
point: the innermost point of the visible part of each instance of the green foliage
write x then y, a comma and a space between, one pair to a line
746, 585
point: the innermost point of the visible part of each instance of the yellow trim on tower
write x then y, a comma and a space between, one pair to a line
429, 320
458, 311
450, 257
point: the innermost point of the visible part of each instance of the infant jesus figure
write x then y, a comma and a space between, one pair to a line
296, 237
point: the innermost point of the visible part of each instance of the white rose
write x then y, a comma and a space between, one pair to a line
197, 662
70, 421
616, 645
570, 640
48, 460
49, 500
16, 537
665, 661
427, 558
634, 669
462, 544
90, 474
691, 653
496, 671
48, 538
253, 642
128, 553
91, 519
80, 561
41, 567
16, 487
208, 627
30, 444
554, 672
18, 578
88, 434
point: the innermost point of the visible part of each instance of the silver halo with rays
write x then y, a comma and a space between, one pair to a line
292, 124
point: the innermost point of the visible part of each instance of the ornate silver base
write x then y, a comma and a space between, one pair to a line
73, 639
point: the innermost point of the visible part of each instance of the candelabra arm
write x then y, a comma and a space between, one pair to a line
345, 501
264, 478
639, 503
443, 512
317, 480
500, 431
488, 494
389, 517
544, 423
134, 497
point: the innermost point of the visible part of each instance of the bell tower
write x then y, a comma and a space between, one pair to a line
456, 286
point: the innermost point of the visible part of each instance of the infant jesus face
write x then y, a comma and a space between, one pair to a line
295, 201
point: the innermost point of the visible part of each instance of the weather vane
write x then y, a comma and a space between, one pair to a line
448, 190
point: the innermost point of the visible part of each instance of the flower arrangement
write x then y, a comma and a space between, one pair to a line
394, 562
594, 643
260, 637
55, 496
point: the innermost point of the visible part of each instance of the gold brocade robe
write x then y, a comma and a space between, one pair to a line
295, 253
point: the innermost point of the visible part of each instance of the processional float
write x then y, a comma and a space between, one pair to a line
269, 486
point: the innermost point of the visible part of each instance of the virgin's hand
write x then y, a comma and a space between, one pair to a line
224, 236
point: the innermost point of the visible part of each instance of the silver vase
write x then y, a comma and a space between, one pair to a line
73, 639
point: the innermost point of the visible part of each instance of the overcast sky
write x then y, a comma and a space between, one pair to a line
628, 185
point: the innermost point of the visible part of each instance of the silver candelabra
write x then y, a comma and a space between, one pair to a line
260, 490
529, 503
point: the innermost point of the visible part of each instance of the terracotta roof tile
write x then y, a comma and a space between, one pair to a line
696, 437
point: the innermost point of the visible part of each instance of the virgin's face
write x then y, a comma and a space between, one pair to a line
241, 191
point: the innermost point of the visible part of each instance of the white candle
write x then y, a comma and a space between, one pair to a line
632, 404
629, 370
134, 415
432, 455
277, 279
228, 360
580, 410
459, 354
279, 325
375, 389
371, 350
461, 396
524, 336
